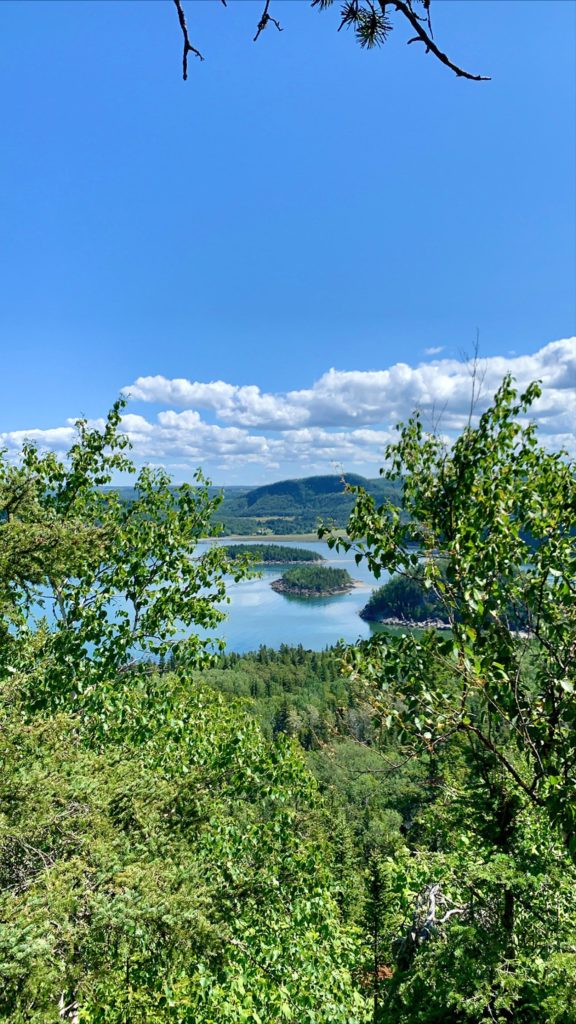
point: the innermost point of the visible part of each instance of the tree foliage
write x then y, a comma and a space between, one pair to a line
168, 872
165, 854
160, 860
494, 520
463, 894
89, 583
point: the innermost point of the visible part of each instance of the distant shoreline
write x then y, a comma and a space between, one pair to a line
276, 538
294, 561
392, 620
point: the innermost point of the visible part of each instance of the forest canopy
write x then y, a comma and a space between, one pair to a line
265, 837
273, 553
313, 581
404, 598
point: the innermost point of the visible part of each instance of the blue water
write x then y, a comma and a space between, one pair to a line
258, 615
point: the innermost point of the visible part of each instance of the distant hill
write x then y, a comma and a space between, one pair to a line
290, 506
297, 506
304, 491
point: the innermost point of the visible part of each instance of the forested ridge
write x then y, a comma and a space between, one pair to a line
383, 832
288, 506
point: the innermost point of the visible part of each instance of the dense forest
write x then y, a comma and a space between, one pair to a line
405, 599
273, 553
410, 830
384, 832
314, 581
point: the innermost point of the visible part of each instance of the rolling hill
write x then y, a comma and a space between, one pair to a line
289, 506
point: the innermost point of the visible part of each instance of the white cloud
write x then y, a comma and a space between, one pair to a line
244, 405
58, 438
345, 418
433, 350
365, 397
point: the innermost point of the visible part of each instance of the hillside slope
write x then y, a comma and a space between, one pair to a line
290, 506
296, 506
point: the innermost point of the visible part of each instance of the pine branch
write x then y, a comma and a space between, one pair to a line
422, 36
369, 19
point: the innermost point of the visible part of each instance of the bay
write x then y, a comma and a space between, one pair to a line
259, 615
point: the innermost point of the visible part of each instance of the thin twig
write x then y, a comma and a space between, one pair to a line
188, 48
529, 790
477, 375
266, 17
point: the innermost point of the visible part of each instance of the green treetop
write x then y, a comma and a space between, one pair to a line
312, 581
494, 519
89, 583
160, 861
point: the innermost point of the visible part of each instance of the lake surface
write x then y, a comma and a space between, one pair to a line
258, 615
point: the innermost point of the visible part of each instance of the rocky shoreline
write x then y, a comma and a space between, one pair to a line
406, 623
281, 587
300, 561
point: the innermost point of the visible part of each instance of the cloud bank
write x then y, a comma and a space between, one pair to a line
345, 418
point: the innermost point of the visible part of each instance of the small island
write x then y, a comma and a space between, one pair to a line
273, 554
314, 582
404, 601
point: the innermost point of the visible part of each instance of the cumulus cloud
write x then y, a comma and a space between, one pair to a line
345, 418
57, 438
365, 397
244, 405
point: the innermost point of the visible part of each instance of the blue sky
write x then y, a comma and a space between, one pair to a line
298, 205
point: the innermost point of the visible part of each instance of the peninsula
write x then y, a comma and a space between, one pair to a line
404, 601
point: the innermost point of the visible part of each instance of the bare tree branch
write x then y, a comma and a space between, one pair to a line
353, 13
529, 790
266, 17
425, 923
425, 37
188, 48
477, 373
